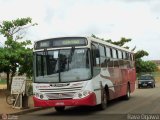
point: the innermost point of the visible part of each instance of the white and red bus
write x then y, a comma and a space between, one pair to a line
81, 71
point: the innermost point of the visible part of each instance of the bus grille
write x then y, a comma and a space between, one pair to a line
60, 96
60, 93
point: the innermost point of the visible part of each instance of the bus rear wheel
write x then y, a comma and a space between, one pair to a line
128, 93
60, 108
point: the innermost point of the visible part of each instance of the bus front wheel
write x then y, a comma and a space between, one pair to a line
60, 108
104, 101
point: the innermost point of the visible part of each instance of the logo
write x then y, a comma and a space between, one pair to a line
59, 84
4, 116
60, 95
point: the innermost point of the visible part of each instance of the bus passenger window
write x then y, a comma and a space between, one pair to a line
108, 53
115, 58
95, 59
124, 55
102, 50
102, 56
114, 53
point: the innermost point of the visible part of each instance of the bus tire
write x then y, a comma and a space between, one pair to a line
128, 93
104, 101
60, 108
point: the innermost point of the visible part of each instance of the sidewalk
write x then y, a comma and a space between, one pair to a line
7, 109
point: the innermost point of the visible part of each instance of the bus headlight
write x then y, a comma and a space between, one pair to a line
41, 96
82, 94
38, 95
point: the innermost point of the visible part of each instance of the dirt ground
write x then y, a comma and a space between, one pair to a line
3, 86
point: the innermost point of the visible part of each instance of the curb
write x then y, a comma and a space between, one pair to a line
25, 111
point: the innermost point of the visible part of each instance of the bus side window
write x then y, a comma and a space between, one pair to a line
132, 60
95, 54
108, 53
95, 59
102, 56
120, 55
110, 63
126, 60
115, 58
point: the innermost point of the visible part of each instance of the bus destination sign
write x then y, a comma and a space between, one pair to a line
61, 42
69, 42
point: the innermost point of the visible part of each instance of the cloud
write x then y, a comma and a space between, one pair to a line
136, 19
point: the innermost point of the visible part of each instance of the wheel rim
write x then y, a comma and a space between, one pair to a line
128, 92
105, 98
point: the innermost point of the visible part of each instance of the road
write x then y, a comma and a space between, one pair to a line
142, 102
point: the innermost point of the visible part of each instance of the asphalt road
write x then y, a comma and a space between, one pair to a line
143, 102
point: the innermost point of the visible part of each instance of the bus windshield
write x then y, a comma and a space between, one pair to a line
63, 65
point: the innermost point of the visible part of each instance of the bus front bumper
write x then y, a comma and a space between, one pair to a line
87, 101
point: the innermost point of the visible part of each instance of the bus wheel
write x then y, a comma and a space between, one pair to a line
128, 93
104, 101
60, 108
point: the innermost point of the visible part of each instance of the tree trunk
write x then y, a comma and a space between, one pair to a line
8, 82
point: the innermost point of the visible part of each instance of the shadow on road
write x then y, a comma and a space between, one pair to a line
74, 111
83, 110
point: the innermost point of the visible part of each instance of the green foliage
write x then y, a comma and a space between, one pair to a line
141, 53
145, 66
120, 43
2, 81
13, 54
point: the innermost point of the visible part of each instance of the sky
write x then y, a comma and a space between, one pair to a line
108, 19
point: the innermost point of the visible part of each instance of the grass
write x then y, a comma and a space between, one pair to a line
2, 81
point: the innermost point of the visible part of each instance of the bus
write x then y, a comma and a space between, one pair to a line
81, 71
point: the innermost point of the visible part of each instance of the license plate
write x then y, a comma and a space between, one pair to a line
144, 84
59, 103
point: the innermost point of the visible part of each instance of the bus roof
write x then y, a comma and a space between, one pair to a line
108, 44
94, 40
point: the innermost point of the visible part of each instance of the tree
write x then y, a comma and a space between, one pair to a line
15, 49
120, 43
145, 66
